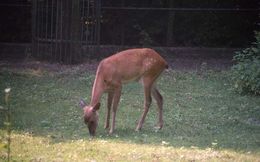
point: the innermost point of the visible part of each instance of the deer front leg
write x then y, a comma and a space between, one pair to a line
116, 99
109, 103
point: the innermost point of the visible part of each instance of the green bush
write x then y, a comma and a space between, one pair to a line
246, 71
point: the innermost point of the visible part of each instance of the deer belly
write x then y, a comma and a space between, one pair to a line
132, 79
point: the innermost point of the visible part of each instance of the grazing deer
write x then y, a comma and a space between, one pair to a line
144, 65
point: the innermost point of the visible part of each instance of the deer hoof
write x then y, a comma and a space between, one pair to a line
159, 126
137, 129
111, 132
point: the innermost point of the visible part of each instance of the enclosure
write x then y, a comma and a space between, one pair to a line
49, 53
69, 31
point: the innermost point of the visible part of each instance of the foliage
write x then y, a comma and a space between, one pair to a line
204, 120
189, 28
246, 73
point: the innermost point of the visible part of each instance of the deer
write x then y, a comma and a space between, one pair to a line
142, 64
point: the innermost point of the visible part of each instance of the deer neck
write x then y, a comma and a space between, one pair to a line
97, 90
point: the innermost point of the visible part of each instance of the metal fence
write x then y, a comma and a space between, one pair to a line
63, 29
69, 30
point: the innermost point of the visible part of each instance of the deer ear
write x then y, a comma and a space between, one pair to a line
82, 103
96, 107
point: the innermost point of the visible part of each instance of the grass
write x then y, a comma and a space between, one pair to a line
205, 120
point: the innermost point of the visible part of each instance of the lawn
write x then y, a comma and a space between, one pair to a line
205, 120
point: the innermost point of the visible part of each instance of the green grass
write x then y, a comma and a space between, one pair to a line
205, 120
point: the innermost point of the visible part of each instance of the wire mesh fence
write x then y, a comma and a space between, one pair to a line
67, 31
62, 28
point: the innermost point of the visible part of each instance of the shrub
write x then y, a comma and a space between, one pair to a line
246, 71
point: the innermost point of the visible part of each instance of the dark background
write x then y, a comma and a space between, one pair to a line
217, 24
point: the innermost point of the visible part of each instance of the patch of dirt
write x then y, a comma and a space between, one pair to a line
179, 64
197, 64
181, 59
37, 66
178, 58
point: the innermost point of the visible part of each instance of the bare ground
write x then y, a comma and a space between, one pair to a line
178, 58
177, 63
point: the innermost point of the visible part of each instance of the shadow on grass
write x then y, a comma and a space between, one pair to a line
198, 112
177, 138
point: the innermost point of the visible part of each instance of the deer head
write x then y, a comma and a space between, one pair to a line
90, 116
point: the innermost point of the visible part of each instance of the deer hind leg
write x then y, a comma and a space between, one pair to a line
147, 84
116, 99
109, 104
159, 99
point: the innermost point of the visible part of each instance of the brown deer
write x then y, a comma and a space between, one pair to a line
144, 65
